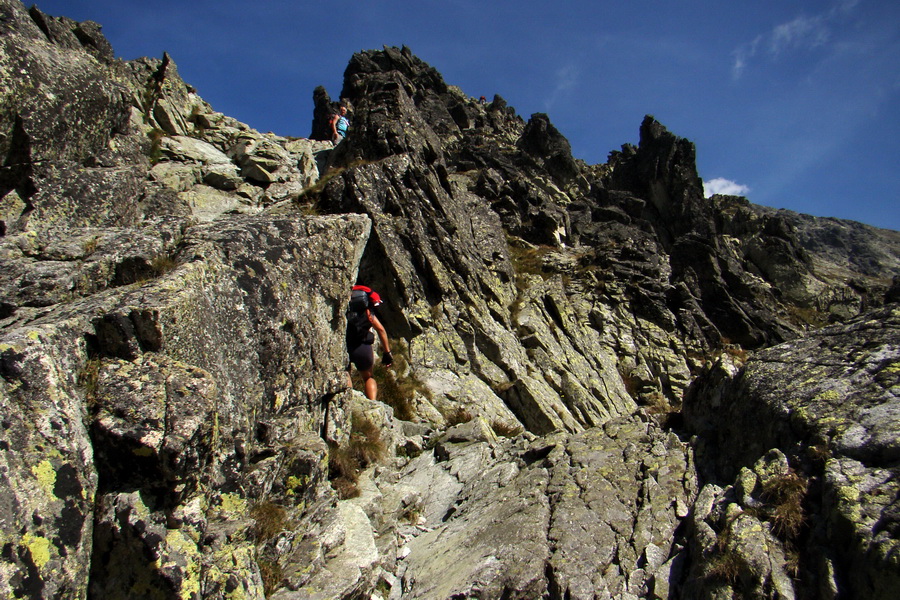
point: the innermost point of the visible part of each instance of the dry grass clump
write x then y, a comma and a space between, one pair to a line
807, 317
365, 440
364, 448
528, 259
632, 384
726, 566
88, 379
90, 245
785, 494
271, 574
504, 429
162, 265
458, 416
397, 387
818, 453
156, 136
270, 519
658, 404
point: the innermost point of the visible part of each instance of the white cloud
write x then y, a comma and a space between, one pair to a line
742, 54
720, 185
804, 32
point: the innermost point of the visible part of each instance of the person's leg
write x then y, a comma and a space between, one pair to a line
363, 357
370, 385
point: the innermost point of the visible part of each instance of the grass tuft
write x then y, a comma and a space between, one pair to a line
785, 494
89, 379
507, 430
156, 136
458, 416
528, 259
726, 566
90, 245
365, 447
397, 387
270, 520
162, 265
271, 574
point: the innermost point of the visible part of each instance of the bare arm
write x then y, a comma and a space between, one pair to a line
382, 334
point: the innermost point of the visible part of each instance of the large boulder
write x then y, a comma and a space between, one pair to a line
830, 402
143, 404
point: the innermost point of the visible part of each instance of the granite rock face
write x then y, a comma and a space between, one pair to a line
827, 406
522, 519
177, 422
137, 410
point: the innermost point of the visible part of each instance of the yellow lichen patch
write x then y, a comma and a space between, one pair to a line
187, 550
233, 504
848, 494
143, 451
39, 548
828, 395
46, 476
279, 401
294, 483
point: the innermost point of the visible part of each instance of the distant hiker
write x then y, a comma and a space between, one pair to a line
482, 100
361, 318
339, 125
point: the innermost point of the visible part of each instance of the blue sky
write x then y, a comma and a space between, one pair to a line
795, 104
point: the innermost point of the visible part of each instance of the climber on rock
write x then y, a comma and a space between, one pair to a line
361, 318
339, 125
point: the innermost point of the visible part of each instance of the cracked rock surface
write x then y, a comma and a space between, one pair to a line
605, 386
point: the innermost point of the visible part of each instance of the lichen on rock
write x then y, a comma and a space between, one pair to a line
605, 385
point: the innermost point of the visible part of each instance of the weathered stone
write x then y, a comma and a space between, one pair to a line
48, 472
208, 203
566, 506
222, 177
829, 402
176, 176
127, 530
159, 407
187, 149
172, 372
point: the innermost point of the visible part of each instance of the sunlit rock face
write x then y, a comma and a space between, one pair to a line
606, 385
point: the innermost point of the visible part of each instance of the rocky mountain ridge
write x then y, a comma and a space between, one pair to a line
609, 386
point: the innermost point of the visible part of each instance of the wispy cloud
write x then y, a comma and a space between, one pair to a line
802, 33
743, 54
720, 185
565, 81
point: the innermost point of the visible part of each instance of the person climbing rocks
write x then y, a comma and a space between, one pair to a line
339, 125
361, 318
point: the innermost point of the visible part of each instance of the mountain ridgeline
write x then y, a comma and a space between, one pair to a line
606, 385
